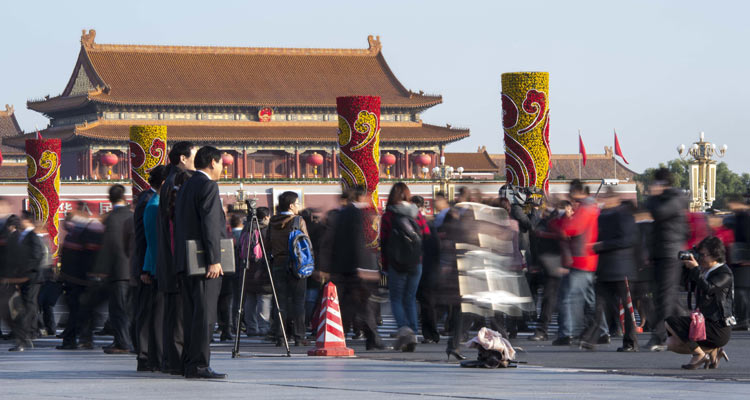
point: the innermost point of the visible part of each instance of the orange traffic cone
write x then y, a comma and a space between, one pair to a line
330, 340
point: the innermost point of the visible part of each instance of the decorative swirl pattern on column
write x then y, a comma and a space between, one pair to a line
360, 151
526, 128
148, 148
43, 174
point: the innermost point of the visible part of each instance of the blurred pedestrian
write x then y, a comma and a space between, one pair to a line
113, 264
354, 268
617, 232
577, 298
668, 207
740, 259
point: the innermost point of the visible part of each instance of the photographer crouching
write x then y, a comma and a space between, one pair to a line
713, 284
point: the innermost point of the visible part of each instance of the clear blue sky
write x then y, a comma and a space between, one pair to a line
657, 71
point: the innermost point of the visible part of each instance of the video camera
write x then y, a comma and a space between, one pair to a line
684, 255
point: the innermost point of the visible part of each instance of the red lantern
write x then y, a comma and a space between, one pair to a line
388, 160
423, 159
228, 160
315, 160
109, 160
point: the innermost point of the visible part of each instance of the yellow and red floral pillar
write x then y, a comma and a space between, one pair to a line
525, 101
359, 142
43, 173
148, 148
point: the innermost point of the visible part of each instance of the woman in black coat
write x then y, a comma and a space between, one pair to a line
714, 285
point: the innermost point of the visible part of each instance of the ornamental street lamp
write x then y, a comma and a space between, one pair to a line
700, 157
444, 173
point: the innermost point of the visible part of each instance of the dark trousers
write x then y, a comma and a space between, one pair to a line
667, 273
456, 318
608, 294
200, 297
73, 295
48, 296
549, 302
119, 314
226, 299
428, 314
742, 306
149, 325
354, 298
174, 332
291, 296
92, 297
29, 321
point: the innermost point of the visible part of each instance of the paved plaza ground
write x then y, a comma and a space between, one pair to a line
551, 372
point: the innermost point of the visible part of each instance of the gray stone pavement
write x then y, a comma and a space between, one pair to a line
90, 374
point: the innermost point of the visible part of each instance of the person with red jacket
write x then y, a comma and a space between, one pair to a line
577, 296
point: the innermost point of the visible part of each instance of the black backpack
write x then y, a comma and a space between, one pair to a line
404, 246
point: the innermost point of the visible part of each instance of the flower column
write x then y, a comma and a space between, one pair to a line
43, 173
359, 142
148, 148
525, 101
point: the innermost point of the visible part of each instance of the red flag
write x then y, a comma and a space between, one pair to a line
581, 148
38, 135
618, 150
1, 157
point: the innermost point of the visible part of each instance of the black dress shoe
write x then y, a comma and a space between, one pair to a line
538, 337
143, 366
116, 350
627, 349
67, 346
358, 335
205, 373
563, 341
86, 346
604, 339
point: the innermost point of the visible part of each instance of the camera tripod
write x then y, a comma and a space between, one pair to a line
255, 229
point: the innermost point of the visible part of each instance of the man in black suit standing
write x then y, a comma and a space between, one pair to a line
113, 261
180, 166
199, 216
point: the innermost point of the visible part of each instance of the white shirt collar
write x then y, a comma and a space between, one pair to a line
204, 173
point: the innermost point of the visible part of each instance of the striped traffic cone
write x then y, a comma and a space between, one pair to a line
638, 329
330, 339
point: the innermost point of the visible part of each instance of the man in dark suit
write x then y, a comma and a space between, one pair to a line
27, 258
180, 166
113, 262
200, 217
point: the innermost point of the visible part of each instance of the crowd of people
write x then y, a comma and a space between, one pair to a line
586, 258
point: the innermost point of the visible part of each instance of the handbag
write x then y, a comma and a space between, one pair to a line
196, 260
697, 326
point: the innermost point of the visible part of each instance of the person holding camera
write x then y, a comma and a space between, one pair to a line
713, 283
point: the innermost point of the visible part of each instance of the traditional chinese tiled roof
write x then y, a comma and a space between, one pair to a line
472, 162
229, 76
567, 166
9, 128
258, 132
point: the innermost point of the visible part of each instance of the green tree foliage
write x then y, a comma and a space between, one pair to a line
727, 182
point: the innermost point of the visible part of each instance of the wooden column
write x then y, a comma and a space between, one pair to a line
90, 164
244, 164
296, 164
407, 171
335, 163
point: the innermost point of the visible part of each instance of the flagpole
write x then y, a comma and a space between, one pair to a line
580, 158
